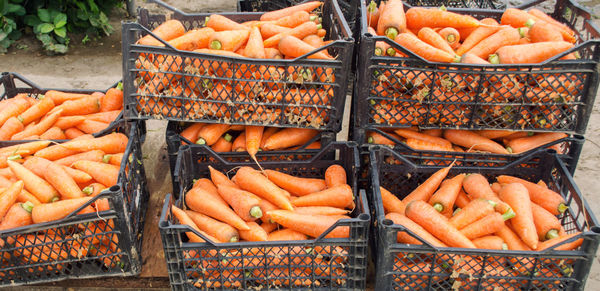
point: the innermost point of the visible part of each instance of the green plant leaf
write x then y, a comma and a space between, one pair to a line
93, 6
16, 34
60, 20
31, 20
3, 35
16, 9
94, 21
44, 15
103, 18
60, 48
82, 14
45, 27
61, 31
3, 7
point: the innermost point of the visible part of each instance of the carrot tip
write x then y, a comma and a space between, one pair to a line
494, 204
494, 59
509, 150
256, 212
120, 86
234, 239
456, 211
88, 190
438, 207
28, 206
106, 159
313, 18
54, 199
553, 233
508, 214
390, 52
391, 32
215, 45
228, 137
370, 140
562, 208
504, 246
200, 141
378, 52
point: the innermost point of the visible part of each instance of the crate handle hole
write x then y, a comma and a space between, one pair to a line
364, 216
114, 188
595, 229
387, 222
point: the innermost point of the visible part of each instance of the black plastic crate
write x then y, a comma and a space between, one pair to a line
175, 141
380, 79
52, 251
345, 258
12, 84
545, 270
321, 83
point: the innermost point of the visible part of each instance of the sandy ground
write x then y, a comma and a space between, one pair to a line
98, 65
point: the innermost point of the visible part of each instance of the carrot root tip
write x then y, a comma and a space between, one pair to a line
28, 206
504, 246
509, 150
494, 59
256, 212
508, 214
228, 137
378, 52
391, 32
391, 52
370, 140
553, 233
562, 208
106, 159
438, 207
88, 190
215, 45
200, 141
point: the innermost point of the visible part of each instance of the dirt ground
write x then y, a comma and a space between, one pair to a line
97, 65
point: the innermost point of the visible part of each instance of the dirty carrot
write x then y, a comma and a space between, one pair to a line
404, 237
295, 185
517, 196
427, 188
200, 201
311, 225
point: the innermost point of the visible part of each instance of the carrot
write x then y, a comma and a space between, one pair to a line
269, 227
546, 224
228, 40
417, 135
105, 174
477, 186
184, 219
420, 232
432, 221
19, 214
391, 203
443, 199
462, 199
17, 107
511, 239
201, 201
294, 47
494, 134
373, 13
65, 122
94, 155
272, 53
289, 137
320, 210
218, 178
10, 127
245, 204
253, 181
432, 38
55, 175
426, 189
38, 128
335, 175
504, 37
277, 14
478, 35
471, 140
418, 17
82, 106
53, 133
293, 19
295, 185
253, 138
239, 144
486, 225
268, 132
36, 111
167, 30
104, 116
56, 210
567, 33
541, 31
222, 23
490, 242
223, 145
564, 247
9, 196
25, 196
340, 196
524, 144
539, 195
112, 143
529, 53
255, 233
311, 225
207, 185
425, 50
517, 196
191, 132
221, 231
210, 133
376, 138
451, 36
268, 30
91, 126
392, 20
34, 184
112, 100
475, 210
286, 234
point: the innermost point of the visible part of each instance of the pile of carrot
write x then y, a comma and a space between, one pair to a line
465, 211
58, 115
43, 182
486, 141
251, 139
287, 33
267, 206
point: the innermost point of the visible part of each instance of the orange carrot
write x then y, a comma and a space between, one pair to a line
18, 106
269, 227
82, 106
517, 196
9, 196
222, 23
540, 31
462, 199
218, 178
255, 233
335, 175
94, 155
477, 186
376, 138
223, 145
373, 13
191, 132
426, 189
391, 203
417, 135
340, 196
475, 210
253, 138
512, 240
167, 30
245, 204
294, 47
404, 237
320, 210
210, 133
254, 47
239, 144
268, 30
53, 133
65, 122
253, 181
486, 225
184, 219
443, 199
450, 36
19, 214
490, 242
91, 126
567, 33
418, 17
489, 45
431, 37
112, 100
25, 197
36, 111
34, 184
56, 210
392, 20
10, 128
272, 53
106, 174
519, 145
113, 143
478, 35
289, 137
424, 50
546, 224
494, 134
222, 231
311, 225
286, 234
295, 185
432, 221
55, 175
471, 140
539, 195
228, 40
201, 201
38, 128
293, 19
277, 14
564, 247
529, 53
